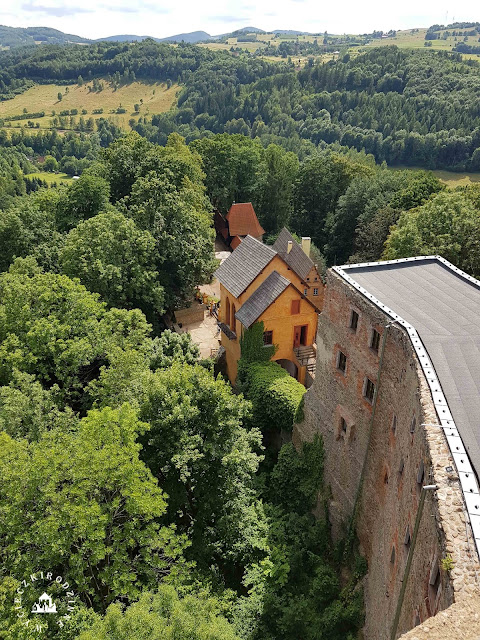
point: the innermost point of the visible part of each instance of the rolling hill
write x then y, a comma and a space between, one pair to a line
125, 38
20, 37
191, 38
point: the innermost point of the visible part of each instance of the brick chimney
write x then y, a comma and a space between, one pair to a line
306, 243
289, 246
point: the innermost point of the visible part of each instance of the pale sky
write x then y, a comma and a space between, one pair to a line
160, 18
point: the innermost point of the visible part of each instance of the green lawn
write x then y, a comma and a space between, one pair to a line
50, 178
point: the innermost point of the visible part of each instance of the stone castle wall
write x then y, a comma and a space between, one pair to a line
406, 450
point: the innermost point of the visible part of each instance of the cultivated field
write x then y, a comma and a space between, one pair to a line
155, 96
415, 39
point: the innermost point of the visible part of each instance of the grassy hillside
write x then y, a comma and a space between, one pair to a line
155, 96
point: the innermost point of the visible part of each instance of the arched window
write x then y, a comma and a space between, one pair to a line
227, 312
233, 323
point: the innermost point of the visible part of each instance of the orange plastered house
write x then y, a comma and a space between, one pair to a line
258, 283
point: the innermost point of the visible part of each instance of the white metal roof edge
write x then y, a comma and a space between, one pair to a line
446, 263
466, 474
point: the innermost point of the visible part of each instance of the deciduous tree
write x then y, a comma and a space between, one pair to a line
113, 257
84, 505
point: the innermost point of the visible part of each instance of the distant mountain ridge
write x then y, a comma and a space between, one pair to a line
291, 32
125, 38
30, 36
192, 37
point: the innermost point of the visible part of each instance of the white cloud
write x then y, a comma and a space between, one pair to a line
93, 19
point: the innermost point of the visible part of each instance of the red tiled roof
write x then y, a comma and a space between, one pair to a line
243, 221
235, 242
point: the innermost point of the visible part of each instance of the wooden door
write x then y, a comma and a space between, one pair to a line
300, 336
297, 334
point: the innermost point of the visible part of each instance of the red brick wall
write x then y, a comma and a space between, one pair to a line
389, 498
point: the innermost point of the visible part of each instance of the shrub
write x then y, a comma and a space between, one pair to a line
277, 398
298, 476
253, 350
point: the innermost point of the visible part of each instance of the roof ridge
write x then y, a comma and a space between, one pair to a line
244, 264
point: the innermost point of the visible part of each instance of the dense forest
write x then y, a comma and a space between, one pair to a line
144, 478
414, 108
127, 464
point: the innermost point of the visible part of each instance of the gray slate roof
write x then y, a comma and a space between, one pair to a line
262, 298
241, 267
444, 308
297, 259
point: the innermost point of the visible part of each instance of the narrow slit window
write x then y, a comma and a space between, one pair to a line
407, 539
375, 340
343, 425
421, 473
394, 424
369, 390
413, 425
392, 556
353, 320
434, 586
342, 362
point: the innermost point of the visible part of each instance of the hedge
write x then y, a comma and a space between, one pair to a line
277, 398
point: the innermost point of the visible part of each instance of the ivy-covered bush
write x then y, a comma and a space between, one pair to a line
253, 350
277, 398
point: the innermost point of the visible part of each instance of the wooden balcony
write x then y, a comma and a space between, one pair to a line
307, 357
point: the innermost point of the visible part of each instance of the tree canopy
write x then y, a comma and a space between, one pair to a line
110, 255
92, 508
448, 225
